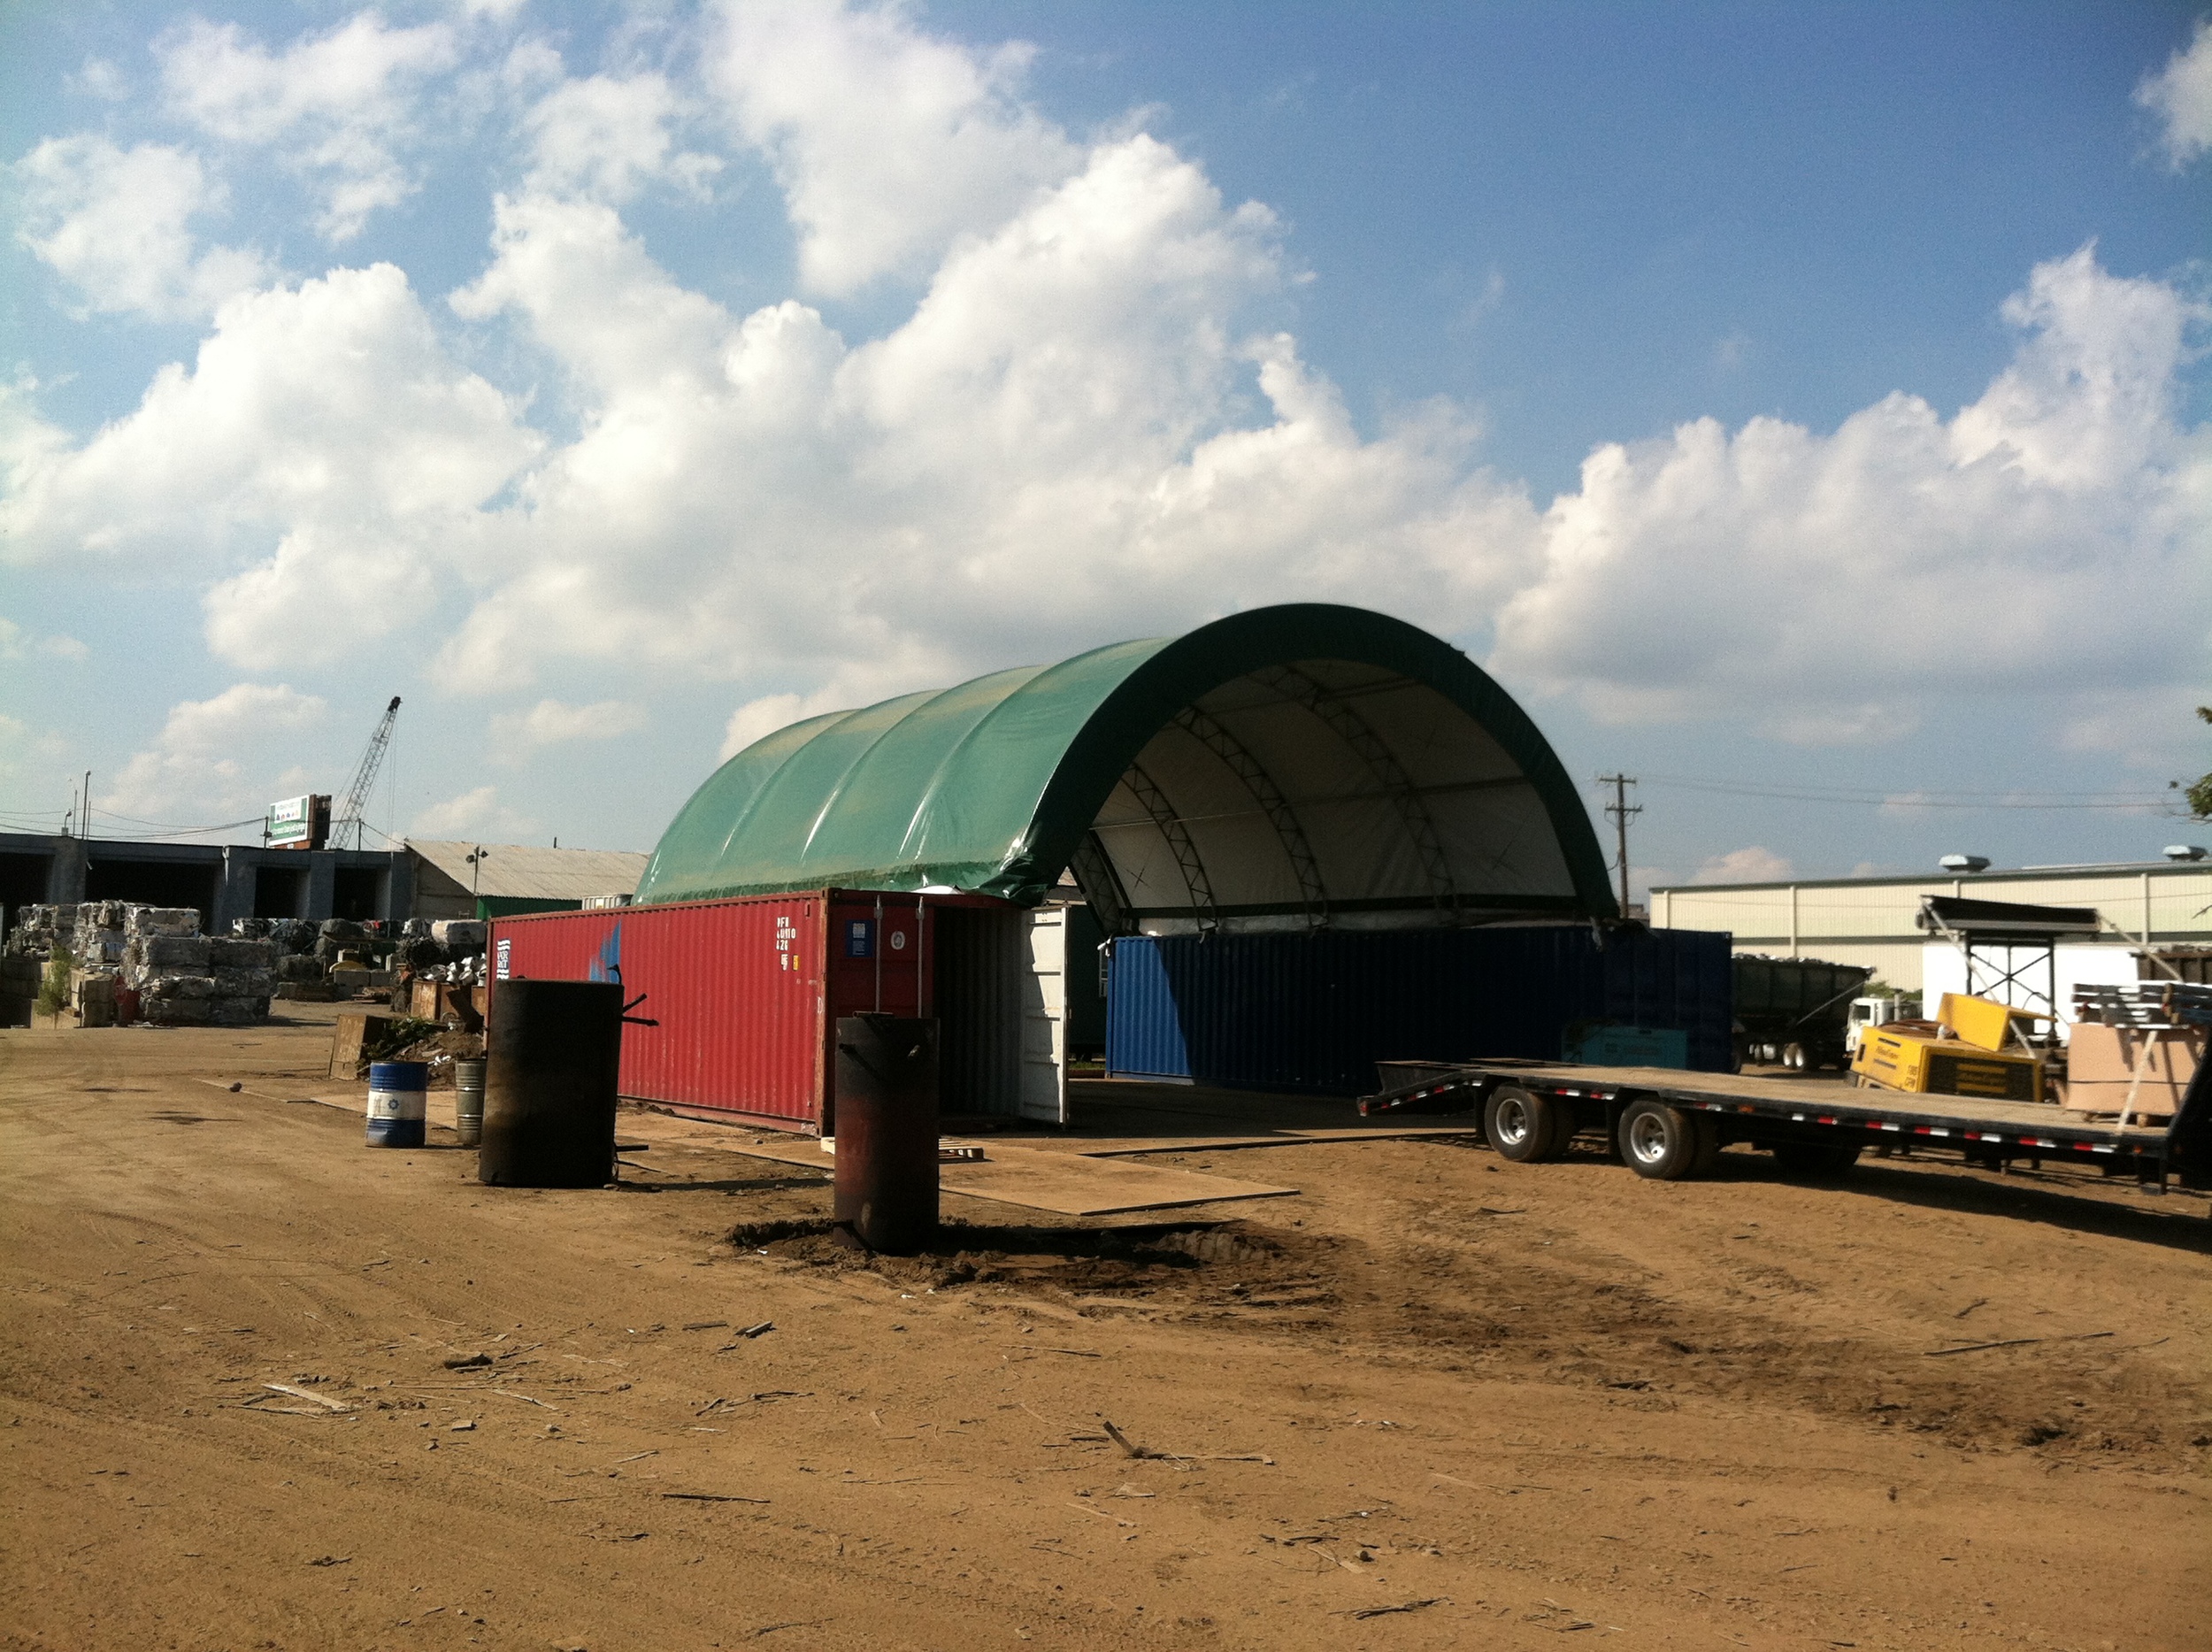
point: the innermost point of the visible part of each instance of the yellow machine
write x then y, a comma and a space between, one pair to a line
1962, 1053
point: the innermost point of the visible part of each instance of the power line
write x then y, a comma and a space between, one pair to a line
167, 825
178, 831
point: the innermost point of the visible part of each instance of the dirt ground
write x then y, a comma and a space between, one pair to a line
1435, 1400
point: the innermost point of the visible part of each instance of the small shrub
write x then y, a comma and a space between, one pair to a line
53, 988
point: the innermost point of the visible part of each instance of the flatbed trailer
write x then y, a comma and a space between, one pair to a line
1669, 1124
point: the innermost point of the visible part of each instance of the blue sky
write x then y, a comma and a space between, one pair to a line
1805, 400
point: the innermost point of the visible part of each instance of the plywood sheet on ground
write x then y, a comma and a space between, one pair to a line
1072, 1184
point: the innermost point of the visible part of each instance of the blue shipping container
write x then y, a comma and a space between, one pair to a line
1316, 1013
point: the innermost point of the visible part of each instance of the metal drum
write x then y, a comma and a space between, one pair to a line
886, 1124
552, 1055
395, 1104
468, 1101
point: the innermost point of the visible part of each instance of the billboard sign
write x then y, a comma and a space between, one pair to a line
292, 824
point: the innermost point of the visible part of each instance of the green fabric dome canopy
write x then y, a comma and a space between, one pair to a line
1294, 766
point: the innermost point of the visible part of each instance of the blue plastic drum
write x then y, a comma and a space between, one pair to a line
396, 1102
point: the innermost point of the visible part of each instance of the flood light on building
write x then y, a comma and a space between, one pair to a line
1964, 862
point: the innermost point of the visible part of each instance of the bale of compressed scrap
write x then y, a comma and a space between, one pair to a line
460, 936
178, 1001
41, 931
190, 979
19, 983
93, 997
98, 940
150, 956
159, 920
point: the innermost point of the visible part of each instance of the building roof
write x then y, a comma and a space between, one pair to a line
1307, 762
532, 872
2088, 872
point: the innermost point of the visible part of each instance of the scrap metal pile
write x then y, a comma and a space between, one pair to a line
339, 957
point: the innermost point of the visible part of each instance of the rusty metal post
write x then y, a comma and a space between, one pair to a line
886, 1132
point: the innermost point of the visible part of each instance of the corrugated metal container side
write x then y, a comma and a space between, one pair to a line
739, 999
1317, 1012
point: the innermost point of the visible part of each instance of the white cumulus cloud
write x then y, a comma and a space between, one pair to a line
1068, 435
608, 136
1822, 585
554, 723
1753, 864
116, 223
888, 143
338, 106
219, 758
1087, 426
2180, 94
475, 813
17, 643
322, 436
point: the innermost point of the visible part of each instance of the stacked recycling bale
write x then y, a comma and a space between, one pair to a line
185, 978
41, 931
103, 931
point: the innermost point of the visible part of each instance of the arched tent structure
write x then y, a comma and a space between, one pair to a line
1302, 766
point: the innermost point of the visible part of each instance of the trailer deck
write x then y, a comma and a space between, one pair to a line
1823, 1124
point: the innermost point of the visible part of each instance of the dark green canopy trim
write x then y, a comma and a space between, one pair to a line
992, 786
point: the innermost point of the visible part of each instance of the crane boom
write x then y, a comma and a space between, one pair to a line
363, 777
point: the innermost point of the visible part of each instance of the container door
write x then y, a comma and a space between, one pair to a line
1044, 1075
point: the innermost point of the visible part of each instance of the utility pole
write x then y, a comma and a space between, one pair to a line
1619, 809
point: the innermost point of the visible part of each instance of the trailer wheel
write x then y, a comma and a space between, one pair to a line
1526, 1127
1797, 1059
1666, 1143
1813, 1160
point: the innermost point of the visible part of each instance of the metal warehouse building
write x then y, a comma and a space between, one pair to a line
1287, 774
1870, 921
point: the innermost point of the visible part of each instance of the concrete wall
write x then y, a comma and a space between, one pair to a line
221, 880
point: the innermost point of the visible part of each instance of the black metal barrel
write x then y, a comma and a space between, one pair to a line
886, 1124
552, 1054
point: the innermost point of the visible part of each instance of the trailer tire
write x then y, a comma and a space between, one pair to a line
1526, 1127
1666, 1143
1814, 1161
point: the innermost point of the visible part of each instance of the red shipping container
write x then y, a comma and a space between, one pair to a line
737, 1000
